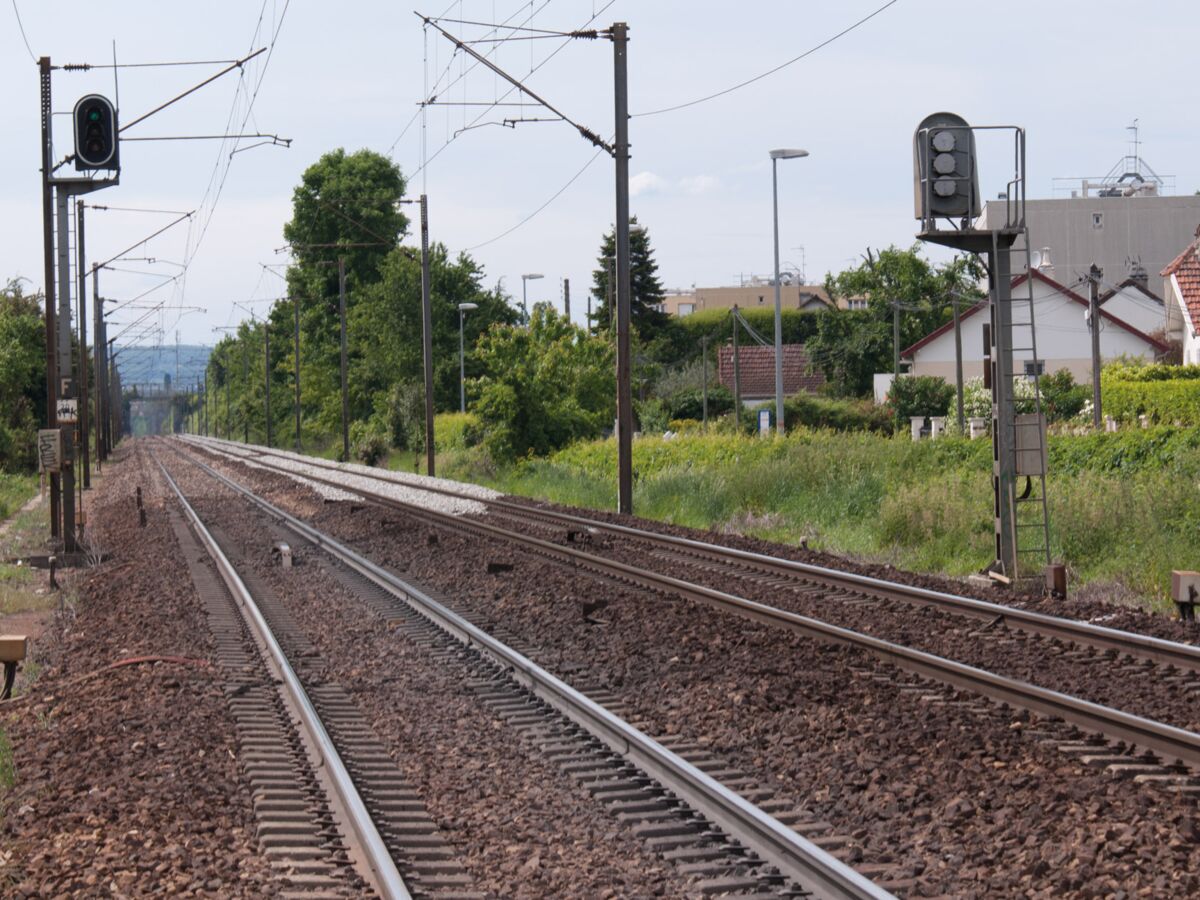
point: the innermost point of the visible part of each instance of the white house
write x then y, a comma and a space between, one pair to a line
1133, 302
1064, 340
1181, 288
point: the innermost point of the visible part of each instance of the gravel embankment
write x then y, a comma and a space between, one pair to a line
964, 800
126, 780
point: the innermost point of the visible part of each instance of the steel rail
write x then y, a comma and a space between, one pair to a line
778, 845
386, 877
1171, 743
1160, 650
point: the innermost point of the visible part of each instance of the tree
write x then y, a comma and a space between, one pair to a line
22, 376
851, 345
647, 293
542, 386
347, 199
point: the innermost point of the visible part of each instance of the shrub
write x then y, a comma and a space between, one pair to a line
1062, 398
403, 416
689, 404
653, 415
813, 411
368, 442
456, 431
1167, 394
919, 395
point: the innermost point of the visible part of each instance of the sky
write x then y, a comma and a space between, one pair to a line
1075, 75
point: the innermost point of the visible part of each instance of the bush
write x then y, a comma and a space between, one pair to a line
368, 442
1167, 394
403, 416
456, 431
689, 404
653, 415
919, 395
813, 411
1062, 398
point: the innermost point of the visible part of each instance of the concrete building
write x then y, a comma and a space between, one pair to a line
1123, 235
1181, 288
1063, 337
754, 295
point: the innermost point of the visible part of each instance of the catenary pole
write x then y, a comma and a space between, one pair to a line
620, 38
84, 418
1095, 273
267, 372
427, 336
958, 367
296, 336
49, 288
345, 388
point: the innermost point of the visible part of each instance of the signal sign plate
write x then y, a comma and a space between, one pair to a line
49, 446
67, 411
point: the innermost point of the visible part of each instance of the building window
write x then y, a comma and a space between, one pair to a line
1097, 221
1035, 368
760, 299
856, 304
686, 309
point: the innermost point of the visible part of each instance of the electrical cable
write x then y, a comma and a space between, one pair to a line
20, 26
769, 72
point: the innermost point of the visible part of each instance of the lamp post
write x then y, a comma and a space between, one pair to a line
525, 279
777, 155
462, 358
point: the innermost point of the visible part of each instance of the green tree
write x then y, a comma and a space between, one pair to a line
22, 376
851, 345
647, 293
542, 386
350, 201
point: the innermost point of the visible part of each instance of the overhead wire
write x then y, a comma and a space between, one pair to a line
769, 72
21, 27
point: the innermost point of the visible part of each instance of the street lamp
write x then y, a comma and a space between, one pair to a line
525, 279
777, 155
462, 365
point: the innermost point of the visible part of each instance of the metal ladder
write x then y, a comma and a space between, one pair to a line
1031, 513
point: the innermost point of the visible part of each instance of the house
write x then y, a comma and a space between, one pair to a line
757, 371
1181, 287
755, 294
1133, 302
1064, 339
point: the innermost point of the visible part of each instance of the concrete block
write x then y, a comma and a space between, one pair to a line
1185, 586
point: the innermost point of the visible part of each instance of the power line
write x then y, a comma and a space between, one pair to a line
509, 92
553, 197
17, 13
769, 72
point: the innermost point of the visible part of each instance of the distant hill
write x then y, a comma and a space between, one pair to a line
150, 365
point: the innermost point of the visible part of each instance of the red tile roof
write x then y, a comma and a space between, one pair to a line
1186, 269
758, 371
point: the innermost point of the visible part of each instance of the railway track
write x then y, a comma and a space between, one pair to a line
731, 844
1132, 734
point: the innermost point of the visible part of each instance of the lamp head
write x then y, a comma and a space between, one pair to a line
533, 275
464, 307
788, 154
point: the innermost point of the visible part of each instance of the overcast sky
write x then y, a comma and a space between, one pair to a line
1074, 74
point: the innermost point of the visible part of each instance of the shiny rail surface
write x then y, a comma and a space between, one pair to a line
1159, 650
1170, 743
796, 857
385, 877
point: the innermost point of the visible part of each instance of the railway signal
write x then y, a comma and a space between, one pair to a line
96, 139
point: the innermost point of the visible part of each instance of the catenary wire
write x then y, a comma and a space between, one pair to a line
769, 72
21, 27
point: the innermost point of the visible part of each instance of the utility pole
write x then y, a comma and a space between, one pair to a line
737, 376
704, 381
267, 372
345, 390
427, 336
245, 392
567, 298
958, 366
98, 348
296, 307
51, 314
620, 39
896, 337
1095, 273
81, 274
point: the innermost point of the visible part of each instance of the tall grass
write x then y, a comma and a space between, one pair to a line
1124, 507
